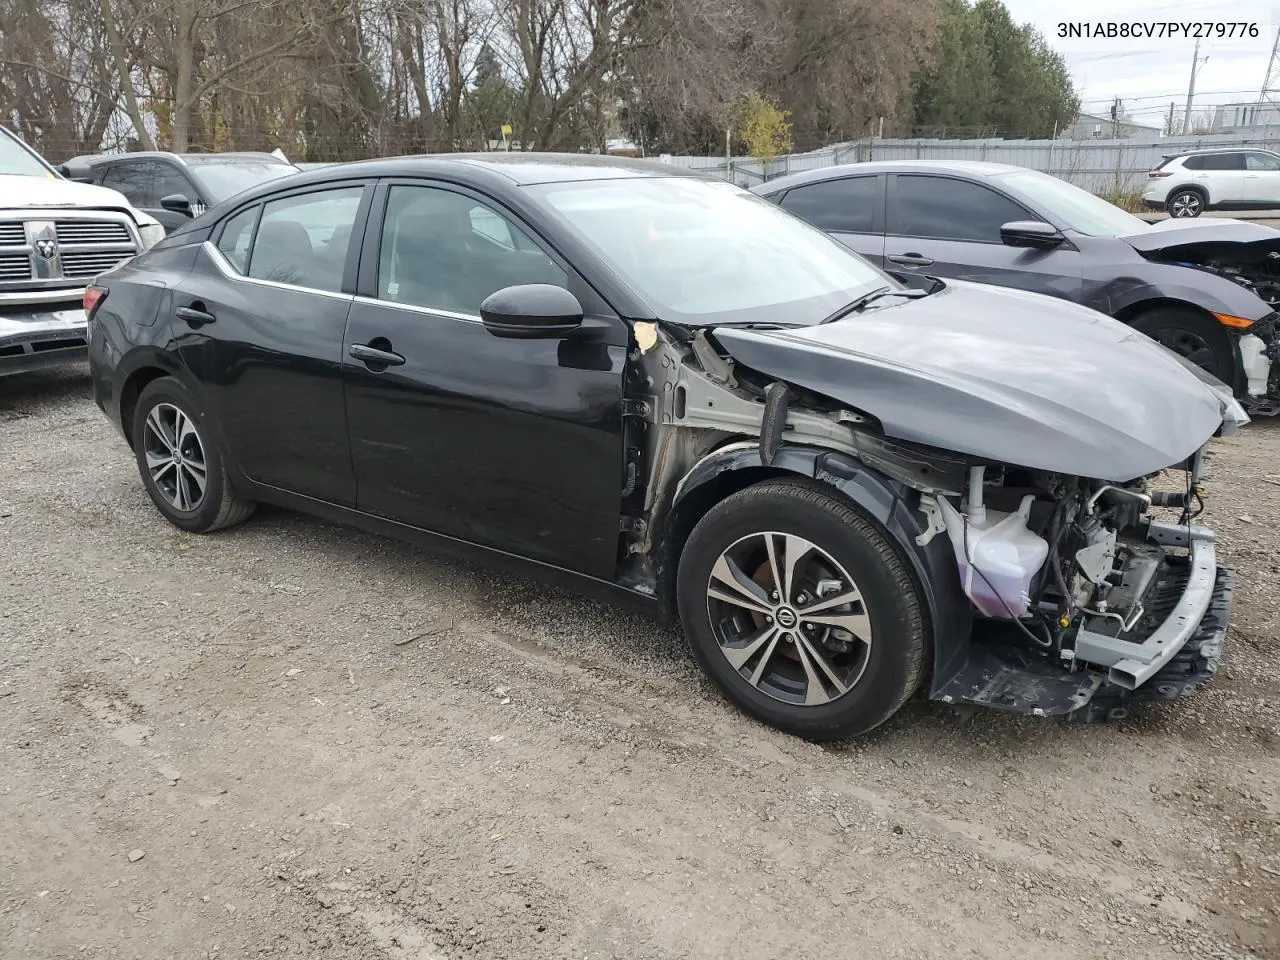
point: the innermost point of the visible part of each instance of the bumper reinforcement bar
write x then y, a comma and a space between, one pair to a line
1130, 663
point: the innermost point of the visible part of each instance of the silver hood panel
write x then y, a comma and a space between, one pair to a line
1005, 375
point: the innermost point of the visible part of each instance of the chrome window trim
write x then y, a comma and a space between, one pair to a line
415, 308
226, 268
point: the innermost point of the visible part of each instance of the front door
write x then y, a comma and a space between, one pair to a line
950, 227
514, 444
1262, 179
259, 322
851, 209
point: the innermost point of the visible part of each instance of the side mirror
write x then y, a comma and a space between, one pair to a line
1031, 233
177, 203
531, 311
79, 172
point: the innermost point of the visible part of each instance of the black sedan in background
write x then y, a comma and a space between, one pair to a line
660, 388
174, 187
1206, 289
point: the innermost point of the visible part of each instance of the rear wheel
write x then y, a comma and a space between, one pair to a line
1192, 335
179, 460
801, 611
1185, 202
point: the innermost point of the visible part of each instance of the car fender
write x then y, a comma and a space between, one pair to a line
892, 506
1124, 293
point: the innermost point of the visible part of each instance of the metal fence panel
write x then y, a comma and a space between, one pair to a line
1103, 166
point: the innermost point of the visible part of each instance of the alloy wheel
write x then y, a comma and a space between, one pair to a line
789, 618
1185, 205
175, 457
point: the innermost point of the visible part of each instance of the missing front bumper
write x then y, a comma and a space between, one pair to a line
1174, 656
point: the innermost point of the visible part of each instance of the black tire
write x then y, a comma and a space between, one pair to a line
217, 506
894, 662
1186, 202
1193, 335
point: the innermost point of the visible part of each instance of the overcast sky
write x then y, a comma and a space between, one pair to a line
1148, 74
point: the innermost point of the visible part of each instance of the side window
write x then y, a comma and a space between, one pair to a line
1261, 161
1223, 161
843, 205
947, 209
1193, 163
237, 233
303, 240
135, 179
446, 251
170, 180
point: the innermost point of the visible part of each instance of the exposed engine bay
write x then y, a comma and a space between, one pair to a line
1083, 571
1257, 270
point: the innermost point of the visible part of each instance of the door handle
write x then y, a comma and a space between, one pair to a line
194, 315
374, 357
910, 260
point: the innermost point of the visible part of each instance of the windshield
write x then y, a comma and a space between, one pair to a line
16, 159
705, 252
226, 178
1072, 207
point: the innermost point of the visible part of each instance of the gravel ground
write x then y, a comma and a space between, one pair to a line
294, 740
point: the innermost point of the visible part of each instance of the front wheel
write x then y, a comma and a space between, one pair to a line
1192, 335
179, 460
1186, 203
801, 611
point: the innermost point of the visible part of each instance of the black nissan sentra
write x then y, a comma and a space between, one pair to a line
654, 386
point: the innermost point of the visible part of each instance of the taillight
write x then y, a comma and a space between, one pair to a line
93, 297
1159, 173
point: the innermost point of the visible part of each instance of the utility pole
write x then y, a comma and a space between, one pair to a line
1191, 89
1115, 119
1168, 132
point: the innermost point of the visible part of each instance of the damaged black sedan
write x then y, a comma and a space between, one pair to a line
660, 389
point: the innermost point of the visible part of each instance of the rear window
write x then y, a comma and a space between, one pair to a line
1164, 163
1215, 161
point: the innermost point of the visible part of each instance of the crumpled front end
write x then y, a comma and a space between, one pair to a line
1127, 606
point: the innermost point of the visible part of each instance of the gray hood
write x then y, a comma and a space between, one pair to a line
1004, 375
1168, 235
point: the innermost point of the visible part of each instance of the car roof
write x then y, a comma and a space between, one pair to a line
518, 168
1208, 150
974, 169
95, 159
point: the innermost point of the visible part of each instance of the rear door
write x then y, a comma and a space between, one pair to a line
851, 209
259, 322
950, 227
513, 444
1262, 179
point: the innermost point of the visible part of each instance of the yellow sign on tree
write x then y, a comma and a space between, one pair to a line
506, 129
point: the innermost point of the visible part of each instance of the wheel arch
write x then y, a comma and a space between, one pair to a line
130, 389
889, 504
1192, 187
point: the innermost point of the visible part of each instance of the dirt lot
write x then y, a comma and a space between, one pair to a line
223, 747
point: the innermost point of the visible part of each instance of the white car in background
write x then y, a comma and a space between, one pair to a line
56, 236
1187, 184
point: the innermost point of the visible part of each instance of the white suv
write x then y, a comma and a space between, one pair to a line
1187, 184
